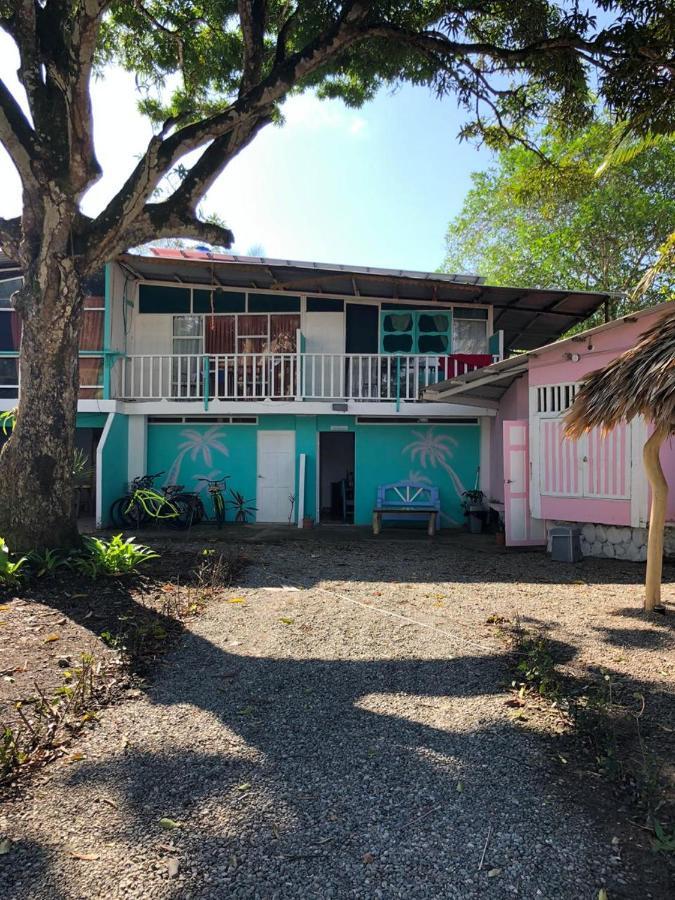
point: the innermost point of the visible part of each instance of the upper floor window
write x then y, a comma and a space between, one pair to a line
434, 331
469, 331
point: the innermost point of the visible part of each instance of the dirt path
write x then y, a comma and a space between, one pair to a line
338, 728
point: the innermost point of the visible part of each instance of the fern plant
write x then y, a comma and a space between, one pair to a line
113, 557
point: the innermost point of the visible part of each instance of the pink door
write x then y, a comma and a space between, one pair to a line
521, 529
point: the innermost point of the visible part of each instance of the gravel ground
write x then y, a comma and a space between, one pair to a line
337, 728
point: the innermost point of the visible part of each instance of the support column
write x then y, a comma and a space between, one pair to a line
138, 446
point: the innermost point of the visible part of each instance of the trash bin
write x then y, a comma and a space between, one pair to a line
566, 543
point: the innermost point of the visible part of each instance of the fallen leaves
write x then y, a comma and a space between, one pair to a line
51, 638
86, 857
168, 824
172, 866
5, 846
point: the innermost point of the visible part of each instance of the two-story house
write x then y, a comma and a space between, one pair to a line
302, 382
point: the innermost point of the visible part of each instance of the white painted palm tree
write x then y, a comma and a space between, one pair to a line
197, 443
434, 449
416, 476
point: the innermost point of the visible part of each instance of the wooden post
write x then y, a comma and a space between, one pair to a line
657, 516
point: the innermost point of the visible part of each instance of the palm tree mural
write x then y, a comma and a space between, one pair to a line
197, 443
434, 449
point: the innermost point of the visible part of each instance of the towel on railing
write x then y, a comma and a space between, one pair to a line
459, 363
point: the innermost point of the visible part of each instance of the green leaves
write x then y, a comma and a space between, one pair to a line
10, 569
113, 557
557, 224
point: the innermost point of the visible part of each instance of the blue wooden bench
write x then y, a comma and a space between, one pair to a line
406, 500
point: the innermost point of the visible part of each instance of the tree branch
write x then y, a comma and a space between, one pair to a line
252, 15
16, 135
163, 153
10, 237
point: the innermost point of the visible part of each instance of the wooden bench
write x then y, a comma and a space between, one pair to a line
405, 500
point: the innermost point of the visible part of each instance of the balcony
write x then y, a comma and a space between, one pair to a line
368, 378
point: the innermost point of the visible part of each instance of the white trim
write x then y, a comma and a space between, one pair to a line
297, 407
639, 486
535, 463
99, 469
302, 465
137, 454
317, 479
485, 470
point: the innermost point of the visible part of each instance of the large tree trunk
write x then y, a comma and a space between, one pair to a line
36, 463
657, 517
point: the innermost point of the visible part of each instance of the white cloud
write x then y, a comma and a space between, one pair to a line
306, 111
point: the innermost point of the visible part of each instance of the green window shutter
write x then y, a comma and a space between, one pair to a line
397, 331
416, 331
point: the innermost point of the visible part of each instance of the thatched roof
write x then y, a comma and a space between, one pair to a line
640, 382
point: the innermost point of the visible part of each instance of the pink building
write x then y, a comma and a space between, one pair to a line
535, 476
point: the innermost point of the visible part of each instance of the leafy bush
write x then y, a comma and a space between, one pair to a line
10, 570
46, 562
113, 557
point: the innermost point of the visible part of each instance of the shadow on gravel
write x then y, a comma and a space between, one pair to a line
333, 765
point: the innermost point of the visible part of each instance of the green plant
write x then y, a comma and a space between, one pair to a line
536, 667
113, 557
474, 497
46, 562
11, 754
10, 569
243, 507
663, 842
8, 420
82, 468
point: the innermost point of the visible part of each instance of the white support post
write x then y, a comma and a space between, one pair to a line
138, 446
485, 437
302, 464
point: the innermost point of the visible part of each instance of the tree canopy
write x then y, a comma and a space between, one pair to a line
556, 222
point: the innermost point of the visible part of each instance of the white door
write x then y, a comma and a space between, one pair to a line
276, 475
323, 373
521, 529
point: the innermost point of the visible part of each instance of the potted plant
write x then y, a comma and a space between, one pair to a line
243, 507
474, 510
307, 522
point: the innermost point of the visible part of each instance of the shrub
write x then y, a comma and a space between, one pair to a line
46, 562
10, 570
113, 557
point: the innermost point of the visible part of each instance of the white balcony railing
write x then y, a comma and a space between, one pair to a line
369, 377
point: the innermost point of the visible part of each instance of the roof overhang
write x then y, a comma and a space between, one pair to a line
482, 387
528, 317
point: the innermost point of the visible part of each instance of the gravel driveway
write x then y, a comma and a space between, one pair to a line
338, 728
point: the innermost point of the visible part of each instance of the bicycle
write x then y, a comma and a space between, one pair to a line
144, 503
215, 488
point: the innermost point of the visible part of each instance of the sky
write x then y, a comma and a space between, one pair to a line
375, 186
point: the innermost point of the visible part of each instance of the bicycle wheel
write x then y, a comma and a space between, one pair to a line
219, 509
133, 514
183, 517
196, 506
116, 512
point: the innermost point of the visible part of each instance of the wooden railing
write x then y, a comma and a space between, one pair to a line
370, 377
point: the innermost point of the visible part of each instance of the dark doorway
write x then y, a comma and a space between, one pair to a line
336, 476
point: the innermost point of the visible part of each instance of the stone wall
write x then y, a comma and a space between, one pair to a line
619, 542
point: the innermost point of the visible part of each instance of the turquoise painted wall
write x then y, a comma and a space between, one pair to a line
443, 455
184, 452
114, 463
